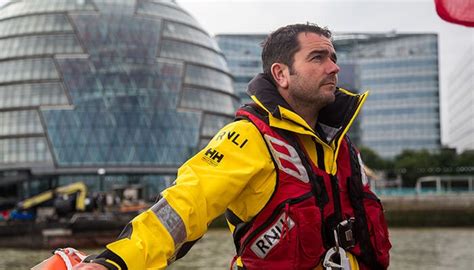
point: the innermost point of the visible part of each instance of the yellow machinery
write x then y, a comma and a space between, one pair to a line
78, 188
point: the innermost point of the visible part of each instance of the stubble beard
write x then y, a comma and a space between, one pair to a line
314, 97
306, 95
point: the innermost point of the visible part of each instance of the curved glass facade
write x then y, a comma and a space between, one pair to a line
132, 86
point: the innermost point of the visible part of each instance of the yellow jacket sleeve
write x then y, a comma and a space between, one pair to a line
205, 186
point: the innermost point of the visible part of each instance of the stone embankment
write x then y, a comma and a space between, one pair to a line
430, 210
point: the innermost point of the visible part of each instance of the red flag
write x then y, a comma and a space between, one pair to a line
456, 11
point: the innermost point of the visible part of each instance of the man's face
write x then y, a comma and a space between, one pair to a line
313, 76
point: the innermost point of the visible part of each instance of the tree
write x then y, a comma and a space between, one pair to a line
372, 159
413, 164
465, 162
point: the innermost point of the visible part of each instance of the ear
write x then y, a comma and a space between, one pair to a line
281, 74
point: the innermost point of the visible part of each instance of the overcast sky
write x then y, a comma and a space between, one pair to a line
404, 16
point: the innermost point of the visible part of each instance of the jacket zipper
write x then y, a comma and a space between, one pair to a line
272, 217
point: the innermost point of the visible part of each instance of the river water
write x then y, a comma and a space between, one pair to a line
430, 248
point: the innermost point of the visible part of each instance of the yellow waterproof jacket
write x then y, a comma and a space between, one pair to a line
235, 171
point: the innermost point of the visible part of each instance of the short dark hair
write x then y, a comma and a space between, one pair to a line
281, 45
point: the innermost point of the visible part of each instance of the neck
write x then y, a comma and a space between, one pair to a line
309, 112
310, 115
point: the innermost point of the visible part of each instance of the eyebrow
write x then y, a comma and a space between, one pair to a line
324, 52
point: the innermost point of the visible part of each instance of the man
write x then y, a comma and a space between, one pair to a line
286, 175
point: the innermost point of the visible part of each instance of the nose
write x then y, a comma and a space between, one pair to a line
333, 68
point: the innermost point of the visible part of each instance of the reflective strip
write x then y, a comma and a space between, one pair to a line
365, 179
171, 220
287, 158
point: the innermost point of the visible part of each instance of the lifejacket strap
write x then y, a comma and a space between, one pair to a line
356, 196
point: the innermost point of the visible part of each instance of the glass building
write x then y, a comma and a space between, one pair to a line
461, 103
243, 55
106, 92
401, 72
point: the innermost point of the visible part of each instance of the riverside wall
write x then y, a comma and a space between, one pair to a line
437, 210
447, 210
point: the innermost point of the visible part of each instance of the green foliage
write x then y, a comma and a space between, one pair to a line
371, 158
413, 164
466, 159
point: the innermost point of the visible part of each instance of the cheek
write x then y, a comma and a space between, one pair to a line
316, 74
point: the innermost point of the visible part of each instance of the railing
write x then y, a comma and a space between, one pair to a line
429, 185
447, 180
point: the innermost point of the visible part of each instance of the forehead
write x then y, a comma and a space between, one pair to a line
309, 41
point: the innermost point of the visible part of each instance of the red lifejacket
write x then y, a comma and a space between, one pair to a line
295, 228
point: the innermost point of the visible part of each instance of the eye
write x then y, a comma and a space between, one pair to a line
317, 57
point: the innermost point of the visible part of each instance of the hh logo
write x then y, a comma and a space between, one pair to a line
213, 157
287, 158
271, 237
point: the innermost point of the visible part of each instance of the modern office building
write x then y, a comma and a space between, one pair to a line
461, 103
400, 70
105, 92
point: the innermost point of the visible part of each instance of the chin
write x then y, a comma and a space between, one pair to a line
331, 100
330, 97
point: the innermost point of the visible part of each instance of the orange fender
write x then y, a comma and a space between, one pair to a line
63, 259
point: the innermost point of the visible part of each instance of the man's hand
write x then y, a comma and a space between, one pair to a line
89, 266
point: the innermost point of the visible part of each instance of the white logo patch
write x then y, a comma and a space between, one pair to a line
285, 153
271, 237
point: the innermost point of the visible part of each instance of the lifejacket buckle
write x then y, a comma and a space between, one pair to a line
345, 233
329, 263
